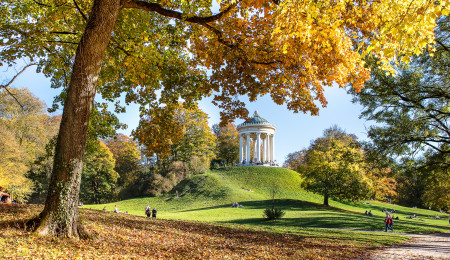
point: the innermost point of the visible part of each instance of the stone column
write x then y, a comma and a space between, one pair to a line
266, 154
247, 155
241, 148
254, 150
273, 147
258, 147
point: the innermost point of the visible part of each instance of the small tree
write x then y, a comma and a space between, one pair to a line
273, 213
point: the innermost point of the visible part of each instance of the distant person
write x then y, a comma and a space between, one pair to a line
104, 208
370, 213
116, 210
4, 197
365, 213
147, 211
154, 213
388, 223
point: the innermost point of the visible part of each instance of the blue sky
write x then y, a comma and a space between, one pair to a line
294, 131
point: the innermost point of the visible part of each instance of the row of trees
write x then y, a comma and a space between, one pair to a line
408, 156
115, 166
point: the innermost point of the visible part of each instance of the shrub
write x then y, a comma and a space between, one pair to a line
271, 214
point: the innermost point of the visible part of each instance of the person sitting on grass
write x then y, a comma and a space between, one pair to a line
116, 210
370, 213
154, 213
365, 213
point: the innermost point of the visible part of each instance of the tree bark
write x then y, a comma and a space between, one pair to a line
60, 214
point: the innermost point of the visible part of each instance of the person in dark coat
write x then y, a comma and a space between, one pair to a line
147, 211
154, 213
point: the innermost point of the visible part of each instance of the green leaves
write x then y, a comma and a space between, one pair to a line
334, 167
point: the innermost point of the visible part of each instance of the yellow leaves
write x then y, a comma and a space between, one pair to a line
386, 29
405, 59
388, 52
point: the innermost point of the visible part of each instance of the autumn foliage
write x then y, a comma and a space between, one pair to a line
120, 236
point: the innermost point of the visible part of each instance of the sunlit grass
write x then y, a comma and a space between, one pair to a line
208, 198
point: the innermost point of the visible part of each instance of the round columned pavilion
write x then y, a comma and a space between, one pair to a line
256, 141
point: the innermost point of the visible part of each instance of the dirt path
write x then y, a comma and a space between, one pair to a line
433, 246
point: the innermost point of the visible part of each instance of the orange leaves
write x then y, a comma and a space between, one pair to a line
120, 236
176, 129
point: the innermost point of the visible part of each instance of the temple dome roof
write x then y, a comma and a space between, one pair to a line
256, 119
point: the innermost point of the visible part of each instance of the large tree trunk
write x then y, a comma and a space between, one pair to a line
60, 215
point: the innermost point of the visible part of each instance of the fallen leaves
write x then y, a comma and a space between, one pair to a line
120, 236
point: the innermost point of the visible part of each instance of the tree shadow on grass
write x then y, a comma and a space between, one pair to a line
313, 215
285, 204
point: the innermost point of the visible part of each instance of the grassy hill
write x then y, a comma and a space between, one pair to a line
208, 198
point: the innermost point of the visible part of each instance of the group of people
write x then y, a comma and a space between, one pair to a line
152, 212
235, 205
368, 213
256, 162
148, 212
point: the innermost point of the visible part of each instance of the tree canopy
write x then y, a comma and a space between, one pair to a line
99, 177
288, 49
227, 143
411, 106
180, 133
25, 129
334, 167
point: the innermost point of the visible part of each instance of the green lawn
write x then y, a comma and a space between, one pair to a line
208, 198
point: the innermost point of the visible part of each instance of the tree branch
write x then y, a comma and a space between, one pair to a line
12, 80
60, 32
154, 7
443, 45
79, 10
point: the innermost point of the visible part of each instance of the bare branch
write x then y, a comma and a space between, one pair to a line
60, 32
443, 45
76, 43
154, 7
12, 80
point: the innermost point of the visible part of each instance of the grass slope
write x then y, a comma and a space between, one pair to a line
208, 198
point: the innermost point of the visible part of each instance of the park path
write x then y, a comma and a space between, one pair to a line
430, 246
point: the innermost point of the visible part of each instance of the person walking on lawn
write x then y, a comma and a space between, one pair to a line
388, 223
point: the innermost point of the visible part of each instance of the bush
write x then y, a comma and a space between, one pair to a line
271, 214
